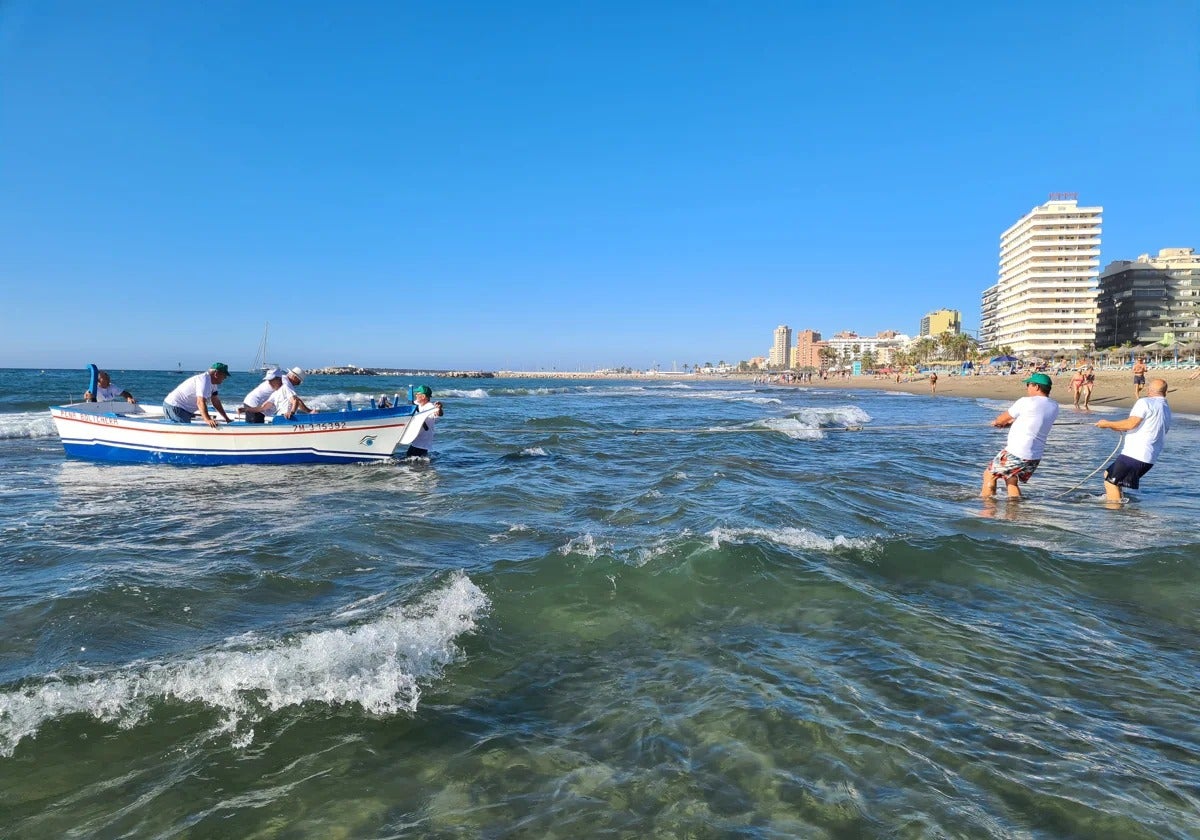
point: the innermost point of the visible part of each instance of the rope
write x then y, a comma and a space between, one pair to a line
1117, 448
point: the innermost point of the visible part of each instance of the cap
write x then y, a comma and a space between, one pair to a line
423, 389
220, 367
1039, 379
273, 373
298, 373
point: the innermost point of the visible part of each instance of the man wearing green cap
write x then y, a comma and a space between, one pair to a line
1028, 421
427, 415
192, 396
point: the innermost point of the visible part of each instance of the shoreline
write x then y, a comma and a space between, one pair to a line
1112, 393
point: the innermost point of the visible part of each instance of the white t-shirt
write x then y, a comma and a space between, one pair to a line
1145, 443
282, 396
1033, 417
260, 398
428, 417
112, 392
190, 390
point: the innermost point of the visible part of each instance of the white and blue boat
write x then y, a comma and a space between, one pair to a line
130, 433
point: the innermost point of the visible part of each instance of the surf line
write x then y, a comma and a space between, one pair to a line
758, 430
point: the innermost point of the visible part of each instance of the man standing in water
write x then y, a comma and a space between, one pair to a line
1146, 427
427, 413
1028, 421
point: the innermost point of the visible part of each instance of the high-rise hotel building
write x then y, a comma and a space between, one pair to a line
1045, 299
780, 356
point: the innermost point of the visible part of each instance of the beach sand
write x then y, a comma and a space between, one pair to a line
1113, 392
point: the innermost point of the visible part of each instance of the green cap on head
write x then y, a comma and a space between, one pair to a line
1039, 379
220, 367
423, 389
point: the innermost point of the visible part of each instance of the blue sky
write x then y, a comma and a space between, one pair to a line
557, 184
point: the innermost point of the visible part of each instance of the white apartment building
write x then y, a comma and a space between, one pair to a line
1045, 300
780, 356
987, 317
882, 345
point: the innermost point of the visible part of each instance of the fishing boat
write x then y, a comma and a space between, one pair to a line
131, 433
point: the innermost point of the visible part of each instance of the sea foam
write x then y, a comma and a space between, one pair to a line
26, 424
790, 537
379, 666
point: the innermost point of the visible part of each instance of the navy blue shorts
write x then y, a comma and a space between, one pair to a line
176, 414
1126, 472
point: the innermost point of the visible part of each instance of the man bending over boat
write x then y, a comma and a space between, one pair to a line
287, 402
1028, 421
427, 413
106, 391
192, 396
257, 404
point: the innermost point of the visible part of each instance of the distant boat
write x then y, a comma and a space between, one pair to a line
260, 360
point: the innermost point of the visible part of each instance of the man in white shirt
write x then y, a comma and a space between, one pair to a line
192, 395
257, 404
1028, 420
106, 391
1145, 430
287, 402
427, 415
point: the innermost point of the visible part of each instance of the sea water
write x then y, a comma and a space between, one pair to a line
658, 608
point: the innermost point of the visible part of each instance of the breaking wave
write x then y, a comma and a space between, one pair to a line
379, 666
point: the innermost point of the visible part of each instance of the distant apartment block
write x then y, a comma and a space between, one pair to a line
807, 353
780, 355
1144, 300
883, 345
940, 321
1046, 294
987, 317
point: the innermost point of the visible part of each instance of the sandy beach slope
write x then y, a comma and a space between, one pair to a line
1113, 391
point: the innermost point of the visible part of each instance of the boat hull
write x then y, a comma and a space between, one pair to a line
89, 432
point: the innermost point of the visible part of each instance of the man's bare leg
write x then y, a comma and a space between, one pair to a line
989, 485
1112, 492
1014, 487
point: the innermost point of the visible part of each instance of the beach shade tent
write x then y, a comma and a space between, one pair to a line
1003, 360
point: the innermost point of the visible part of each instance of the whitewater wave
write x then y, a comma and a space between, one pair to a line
379, 666
790, 537
809, 423
26, 424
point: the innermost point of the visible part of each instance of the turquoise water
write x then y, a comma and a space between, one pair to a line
635, 609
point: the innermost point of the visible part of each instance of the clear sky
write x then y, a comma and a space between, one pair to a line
558, 184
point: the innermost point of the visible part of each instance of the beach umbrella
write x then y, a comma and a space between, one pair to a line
1003, 360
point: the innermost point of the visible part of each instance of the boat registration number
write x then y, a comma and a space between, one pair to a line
319, 427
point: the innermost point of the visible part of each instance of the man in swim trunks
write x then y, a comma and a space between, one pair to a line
1077, 385
1145, 429
1139, 378
1028, 421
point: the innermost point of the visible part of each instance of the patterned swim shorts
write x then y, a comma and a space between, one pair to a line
1007, 465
